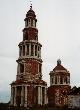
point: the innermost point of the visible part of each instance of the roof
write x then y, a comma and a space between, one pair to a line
30, 13
59, 67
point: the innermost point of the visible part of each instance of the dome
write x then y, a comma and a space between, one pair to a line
58, 62
30, 13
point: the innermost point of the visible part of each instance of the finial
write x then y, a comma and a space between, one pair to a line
30, 5
58, 62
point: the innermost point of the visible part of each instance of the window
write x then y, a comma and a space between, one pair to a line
20, 50
35, 23
38, 51
38, 48
36, 37
39, 68
35, 50
55, 79
32, 50
25, 35
27, 23
31, 22
23, 50
61, 80
21, 68
27, 53
52, 80
65, 80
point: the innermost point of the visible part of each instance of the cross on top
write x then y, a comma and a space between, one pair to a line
30, 4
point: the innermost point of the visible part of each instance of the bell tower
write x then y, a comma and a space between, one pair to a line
29, 89
29, 61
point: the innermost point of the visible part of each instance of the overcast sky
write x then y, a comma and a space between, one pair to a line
59, 34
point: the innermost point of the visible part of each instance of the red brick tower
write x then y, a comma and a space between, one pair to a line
29, 89
59, 86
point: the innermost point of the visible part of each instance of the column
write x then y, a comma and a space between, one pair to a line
41, 95
45, 95
22, 96
22, 52
12, 101
34, 23
24, 68
37, 50
59, 79
68, 78
15, 92
19, 52
25, 50
29, 22
39, 100
29, 49
40, 52
54, 80
25, 104
64, 80
34, 51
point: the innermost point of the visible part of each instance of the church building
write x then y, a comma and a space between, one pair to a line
59, 86
29, 89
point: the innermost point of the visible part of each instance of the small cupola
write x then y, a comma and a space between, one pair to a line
58, 62
30, 20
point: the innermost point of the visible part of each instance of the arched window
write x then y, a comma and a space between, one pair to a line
32, 50
21, 68
31, 22
55, 79
61, 80
35, 50
27, 52
23, 50
20, 51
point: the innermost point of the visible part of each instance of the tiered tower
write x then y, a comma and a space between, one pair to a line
29, 89
59, 86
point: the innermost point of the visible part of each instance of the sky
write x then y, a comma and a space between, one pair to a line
59, 33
